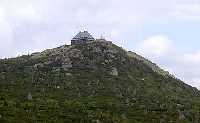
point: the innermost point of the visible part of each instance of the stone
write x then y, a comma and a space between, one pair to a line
68, 74
36, 55
55, 69
181, 115
114, 71
66, 59
106, 61
48, 62
111, 55
98, 121
75, 53
112, 51
29, 96
66, 66
97, 49
38, 65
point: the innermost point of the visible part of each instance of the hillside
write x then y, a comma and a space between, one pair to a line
97, 82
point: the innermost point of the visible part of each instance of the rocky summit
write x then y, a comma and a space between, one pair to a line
92, 82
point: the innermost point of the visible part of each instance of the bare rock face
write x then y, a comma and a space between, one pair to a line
36, 55
66, 64
114, 71
112, 51
75, 53
97, 49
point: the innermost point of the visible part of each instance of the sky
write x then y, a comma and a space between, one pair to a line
165, 31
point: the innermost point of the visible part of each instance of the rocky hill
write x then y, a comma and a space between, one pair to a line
96, 82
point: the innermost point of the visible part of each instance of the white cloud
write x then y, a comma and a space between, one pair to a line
186, 10
155, 46
193, 58
1, 14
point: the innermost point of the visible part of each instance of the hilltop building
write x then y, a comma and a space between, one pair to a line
82, 38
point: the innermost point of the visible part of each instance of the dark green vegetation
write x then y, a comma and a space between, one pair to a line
96, 82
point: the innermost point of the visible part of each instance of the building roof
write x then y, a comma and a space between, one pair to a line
83, 35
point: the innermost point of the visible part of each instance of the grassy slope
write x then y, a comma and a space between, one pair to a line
87, 92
